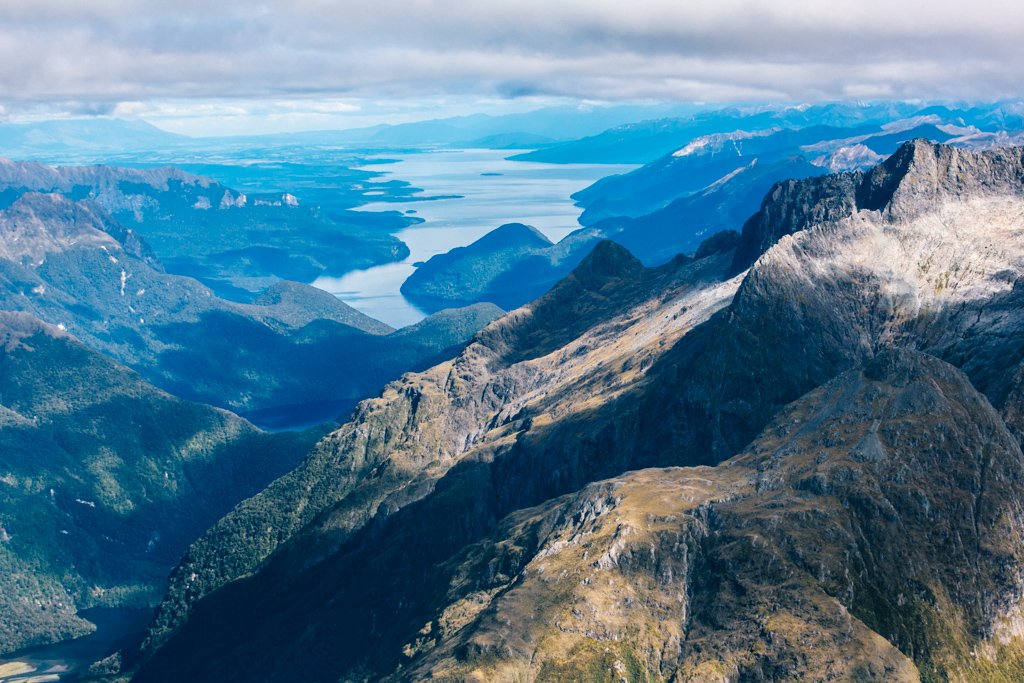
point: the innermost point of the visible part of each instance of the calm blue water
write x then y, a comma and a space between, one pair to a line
524, 192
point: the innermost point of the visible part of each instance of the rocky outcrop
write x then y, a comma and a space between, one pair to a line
906, 184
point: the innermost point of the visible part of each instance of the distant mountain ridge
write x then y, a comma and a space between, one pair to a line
644, 141
710, 183
99, 134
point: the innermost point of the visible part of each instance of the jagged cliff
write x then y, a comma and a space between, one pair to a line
867, 531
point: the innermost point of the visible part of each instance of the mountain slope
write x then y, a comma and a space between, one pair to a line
705, 160
104, 480
60, 137
667, 207
234, 243
845, 520
646, 141
489, 269
296, 356
413, 524
424, 424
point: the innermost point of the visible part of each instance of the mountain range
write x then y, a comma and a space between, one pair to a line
794, 456
286, 359
709, 184
644, 141
234, 243
96, 135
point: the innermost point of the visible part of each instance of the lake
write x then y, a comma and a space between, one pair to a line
481, 190
117, 629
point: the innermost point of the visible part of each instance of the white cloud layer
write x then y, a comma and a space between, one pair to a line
107, 56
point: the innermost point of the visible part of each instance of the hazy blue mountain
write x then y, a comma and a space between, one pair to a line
641, 142
513, 140
104, 480
475, 272
645, 141
235, 243
52, 139
551, 123
669, 206
294, 356
710, 158
685, 223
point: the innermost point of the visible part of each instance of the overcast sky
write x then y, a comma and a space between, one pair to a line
311, 63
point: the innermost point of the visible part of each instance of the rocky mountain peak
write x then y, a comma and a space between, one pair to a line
608, 261
903, 186
921, 171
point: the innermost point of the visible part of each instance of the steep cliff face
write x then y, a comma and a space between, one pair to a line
404, 545
903, 186
934, 269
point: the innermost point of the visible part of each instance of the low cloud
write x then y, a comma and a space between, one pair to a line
325, 57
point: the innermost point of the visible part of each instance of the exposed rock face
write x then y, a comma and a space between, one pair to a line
870, 530
904, 185
787, 562
37, 225
939, 276
529, 368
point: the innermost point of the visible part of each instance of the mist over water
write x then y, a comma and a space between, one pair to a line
483, 190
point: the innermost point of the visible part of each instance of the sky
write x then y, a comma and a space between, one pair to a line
198, 66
